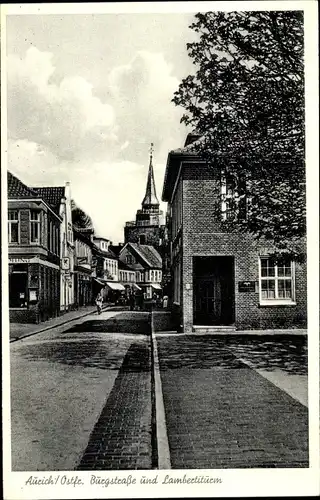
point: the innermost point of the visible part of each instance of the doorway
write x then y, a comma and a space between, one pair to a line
213, 291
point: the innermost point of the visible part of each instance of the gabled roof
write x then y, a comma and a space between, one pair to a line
79, 234
101, 238
116, 249
147, 253
104, 253
17, 189
52, 195
124, 267
174, 160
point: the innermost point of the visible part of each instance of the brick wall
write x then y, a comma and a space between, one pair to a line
203, 235
152, 234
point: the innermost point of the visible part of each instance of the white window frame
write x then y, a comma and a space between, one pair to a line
277, 301
14, 221
38, 222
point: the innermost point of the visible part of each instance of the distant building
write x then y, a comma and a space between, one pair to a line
127, 276
34, 254
83, 266
146, 261
60, 199
148, 226
106, 267
220, 278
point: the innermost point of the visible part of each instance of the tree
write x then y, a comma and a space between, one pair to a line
80, 219
246, 100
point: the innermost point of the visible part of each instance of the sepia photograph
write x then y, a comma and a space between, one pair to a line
157, 264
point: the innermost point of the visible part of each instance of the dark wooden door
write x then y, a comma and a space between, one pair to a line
213, 291
208, 301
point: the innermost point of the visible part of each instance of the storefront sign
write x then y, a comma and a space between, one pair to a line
65, 263
22, 260
247, 286
32, 260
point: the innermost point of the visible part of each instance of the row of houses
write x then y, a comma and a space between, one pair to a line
55, 266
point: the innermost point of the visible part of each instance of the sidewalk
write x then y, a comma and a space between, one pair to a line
20, 330
221, 413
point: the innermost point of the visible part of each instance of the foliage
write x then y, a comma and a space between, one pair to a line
246, 101
80, 219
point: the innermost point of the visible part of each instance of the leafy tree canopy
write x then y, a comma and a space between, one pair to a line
246, 100
80, 219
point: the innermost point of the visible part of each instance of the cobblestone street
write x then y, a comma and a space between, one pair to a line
82, 398
221, 413
78, 389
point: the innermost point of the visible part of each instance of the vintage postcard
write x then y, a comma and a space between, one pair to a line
160, 262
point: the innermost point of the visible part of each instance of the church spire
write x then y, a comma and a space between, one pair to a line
150, 198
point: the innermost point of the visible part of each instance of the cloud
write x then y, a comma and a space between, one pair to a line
66, 118
63, 131
141, 95
109, 192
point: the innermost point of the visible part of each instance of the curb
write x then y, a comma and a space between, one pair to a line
161, 444
54, 326
253, 333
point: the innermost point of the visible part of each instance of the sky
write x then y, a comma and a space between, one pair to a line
87, 94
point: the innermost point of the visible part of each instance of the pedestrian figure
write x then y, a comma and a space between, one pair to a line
132, 301
99, 301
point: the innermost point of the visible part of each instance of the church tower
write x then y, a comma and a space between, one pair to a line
146, 229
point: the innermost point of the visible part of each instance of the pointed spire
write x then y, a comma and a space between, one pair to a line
150, 197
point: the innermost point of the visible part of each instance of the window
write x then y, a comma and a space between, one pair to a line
129, 259
177, 282
233, 197
57, 241
276, 280
142, 239
53, 239
35, 227
13, 226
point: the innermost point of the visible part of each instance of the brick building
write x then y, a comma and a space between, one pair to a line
34, 254
106, 269
221, 278
59, 197
83, 266
148, 227
146, 261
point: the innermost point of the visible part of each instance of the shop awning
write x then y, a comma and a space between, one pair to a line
115, 286
156, 286
135, 286
99, 282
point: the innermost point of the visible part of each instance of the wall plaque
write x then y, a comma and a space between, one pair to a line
247, 286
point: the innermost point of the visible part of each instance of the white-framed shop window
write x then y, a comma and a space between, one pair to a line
276, 281
13, 226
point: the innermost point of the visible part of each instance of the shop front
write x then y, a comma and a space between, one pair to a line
115, 293
83, 287
34, 290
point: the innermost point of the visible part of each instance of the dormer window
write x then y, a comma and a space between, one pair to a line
129, 259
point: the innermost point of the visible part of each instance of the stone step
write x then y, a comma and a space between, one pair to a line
213, 329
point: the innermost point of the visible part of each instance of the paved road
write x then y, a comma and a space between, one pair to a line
221, 412
63, 384
81, 398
